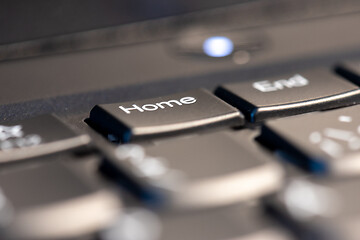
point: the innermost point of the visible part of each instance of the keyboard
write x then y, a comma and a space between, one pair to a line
262, 159
166, 140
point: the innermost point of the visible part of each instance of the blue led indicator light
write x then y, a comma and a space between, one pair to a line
218, 46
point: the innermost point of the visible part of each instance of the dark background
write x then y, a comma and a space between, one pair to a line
26, 20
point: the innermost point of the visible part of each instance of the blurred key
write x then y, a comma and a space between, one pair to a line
324, 142
289, 95
195, 172
319, 208
52, 201
163, 116
240, 222
37, 136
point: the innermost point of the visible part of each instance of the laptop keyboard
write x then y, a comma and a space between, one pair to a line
267, 159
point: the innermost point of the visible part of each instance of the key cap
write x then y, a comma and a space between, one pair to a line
52, 200
325, 142
319, 208
195, 172
289, 95
240, 222
233, 222
163, 116
350, 71
35, 137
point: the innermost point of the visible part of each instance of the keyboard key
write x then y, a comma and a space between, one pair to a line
163, 116
195, 172
135, 223
324, 142
240, 222
52, 200
37, 136
318, 208
289, 95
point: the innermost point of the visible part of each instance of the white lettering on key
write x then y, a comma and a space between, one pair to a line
187, 100
14, 137
267, 86
10, 132
264, 86
149, 107
161, 105
127, 110
168, 103
346, 119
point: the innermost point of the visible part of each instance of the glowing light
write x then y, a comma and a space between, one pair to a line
218, 46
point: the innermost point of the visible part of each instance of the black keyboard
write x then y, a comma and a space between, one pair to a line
165, 140
186, 165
